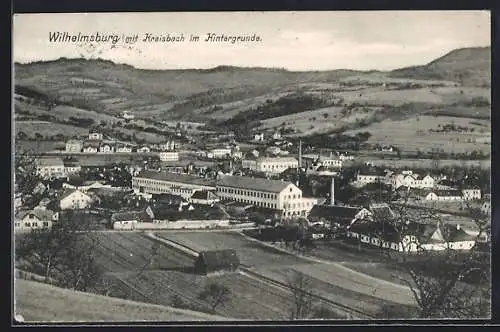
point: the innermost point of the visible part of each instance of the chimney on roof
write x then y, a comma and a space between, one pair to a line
332, 192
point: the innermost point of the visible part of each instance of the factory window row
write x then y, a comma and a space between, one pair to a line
247, 193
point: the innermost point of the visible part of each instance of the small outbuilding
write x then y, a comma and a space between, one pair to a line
216, 260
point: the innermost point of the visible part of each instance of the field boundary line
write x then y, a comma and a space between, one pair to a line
321, 261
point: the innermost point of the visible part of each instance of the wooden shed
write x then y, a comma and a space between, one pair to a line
216, 260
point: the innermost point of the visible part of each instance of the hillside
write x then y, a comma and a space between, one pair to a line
38, 302
468, 66
77, 93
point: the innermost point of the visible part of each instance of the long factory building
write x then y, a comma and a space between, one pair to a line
272, 194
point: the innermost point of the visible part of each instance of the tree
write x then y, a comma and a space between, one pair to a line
444, 284
64, 254
26, 176
215, 294
301, 288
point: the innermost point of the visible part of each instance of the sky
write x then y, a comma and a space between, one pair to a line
373, 40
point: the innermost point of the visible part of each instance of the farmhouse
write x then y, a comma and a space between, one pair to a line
172, 183
169, 156
216, 260
75, 199
74, 146
204, 197
443, 195
272, 194
39, 217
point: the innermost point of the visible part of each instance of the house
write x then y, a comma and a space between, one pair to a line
95, 136
443, 195
39, 217
169, 156
249, 164
370, 176
336, 216
275, 164
319, 160
144, 149
204, 197
106, 148
277, 135
486, 208
471, 194
216, 260
220, 152
74, 146
74, 199
122, 148
49, 167
91, 146
259, 137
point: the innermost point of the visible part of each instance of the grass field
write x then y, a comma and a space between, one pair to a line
264, 259
125, 255
413, 133
48, 129
426, 163
37, 302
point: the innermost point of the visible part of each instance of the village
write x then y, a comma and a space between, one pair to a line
222, 187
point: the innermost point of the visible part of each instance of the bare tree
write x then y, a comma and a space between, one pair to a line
64, 253
26, 176
301, 288
215, 294
445, 283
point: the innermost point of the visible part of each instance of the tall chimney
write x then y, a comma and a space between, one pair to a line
300, 154
332, 192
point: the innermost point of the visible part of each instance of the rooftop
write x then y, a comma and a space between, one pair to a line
41, 214
280, 159
176, 177
259, 184
50, 161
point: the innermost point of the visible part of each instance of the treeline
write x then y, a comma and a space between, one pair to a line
336, 141
215, 97
286, 105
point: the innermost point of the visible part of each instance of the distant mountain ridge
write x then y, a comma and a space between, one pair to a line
468, 66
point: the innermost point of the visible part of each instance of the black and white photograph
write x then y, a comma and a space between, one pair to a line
251, 166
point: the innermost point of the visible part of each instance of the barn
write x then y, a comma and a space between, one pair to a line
216, 260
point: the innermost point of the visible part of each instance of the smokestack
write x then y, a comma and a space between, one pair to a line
332, 192
300, 154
